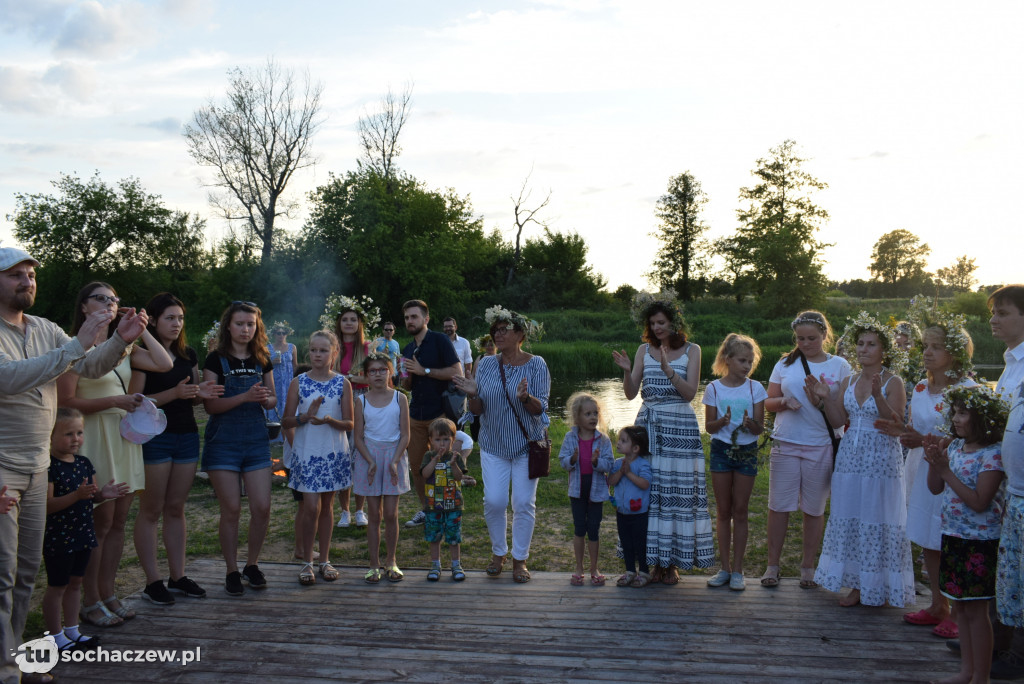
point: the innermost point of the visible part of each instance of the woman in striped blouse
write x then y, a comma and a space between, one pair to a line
510, 390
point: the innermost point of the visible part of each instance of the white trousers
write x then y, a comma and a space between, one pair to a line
498, 475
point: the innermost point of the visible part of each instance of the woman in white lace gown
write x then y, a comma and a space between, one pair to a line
866, 546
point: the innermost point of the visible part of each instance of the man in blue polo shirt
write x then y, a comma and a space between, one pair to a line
431, 362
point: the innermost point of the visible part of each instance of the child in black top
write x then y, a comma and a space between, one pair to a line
70, 535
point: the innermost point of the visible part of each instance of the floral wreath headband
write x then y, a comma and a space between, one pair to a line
923, 313
532, 330
994, 411
481, 343
643, 301
282, 325
893, 358
211, 334
808, 320
338, 304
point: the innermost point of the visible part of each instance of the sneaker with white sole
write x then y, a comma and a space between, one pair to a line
417, 519
186, 587
345, 520
736, 582
157, 593
719, 579
361, 519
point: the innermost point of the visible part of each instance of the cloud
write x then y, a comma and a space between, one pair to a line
92, 29
169, 126
40, 19
36, 91
20, 91
75, 80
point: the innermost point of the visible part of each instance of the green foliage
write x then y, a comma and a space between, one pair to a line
774, 251
898, 261
958, 277
553, 274
970, 304
682, 254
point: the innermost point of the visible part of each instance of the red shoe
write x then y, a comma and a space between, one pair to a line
921, 617
946, 629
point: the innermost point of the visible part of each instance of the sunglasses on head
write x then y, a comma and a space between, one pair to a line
238, 302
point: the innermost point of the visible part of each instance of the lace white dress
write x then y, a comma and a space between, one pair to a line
866, 545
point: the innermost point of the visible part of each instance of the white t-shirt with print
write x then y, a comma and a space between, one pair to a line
806, 426
739, 399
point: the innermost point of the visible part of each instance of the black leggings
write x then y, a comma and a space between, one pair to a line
586, 514
633, 539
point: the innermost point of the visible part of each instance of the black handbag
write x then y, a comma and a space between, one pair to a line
538, 450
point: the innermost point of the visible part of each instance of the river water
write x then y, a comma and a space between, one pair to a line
620, 411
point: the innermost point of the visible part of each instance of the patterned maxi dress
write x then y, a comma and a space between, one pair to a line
866, 545
283, 374
679, 526
320, 458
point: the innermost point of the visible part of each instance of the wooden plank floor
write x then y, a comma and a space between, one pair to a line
485, 630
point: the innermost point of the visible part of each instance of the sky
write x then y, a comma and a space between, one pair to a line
909, 111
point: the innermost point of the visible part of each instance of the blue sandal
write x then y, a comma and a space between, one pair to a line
457, 574
434, 574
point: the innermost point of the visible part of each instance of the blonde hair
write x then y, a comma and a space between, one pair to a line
574, 410
331, 339
731, 345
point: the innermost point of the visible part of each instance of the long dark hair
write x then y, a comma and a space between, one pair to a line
678, 338
258, 343
78, 316
155, 307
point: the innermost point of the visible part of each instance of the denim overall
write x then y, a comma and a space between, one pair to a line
237, 439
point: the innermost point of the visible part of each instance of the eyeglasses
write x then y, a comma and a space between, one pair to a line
378, 371
105, 299
389, 330
498, 332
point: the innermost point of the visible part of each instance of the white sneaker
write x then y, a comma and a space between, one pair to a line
417, 519
719, 579
345, 519
361, 520
736, 582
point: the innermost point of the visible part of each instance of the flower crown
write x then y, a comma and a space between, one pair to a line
808, 320
924, 314
481, 342
639, 308
338, 304
282, 325
531, 328
990, 406
211, 334
893, 358
376, 355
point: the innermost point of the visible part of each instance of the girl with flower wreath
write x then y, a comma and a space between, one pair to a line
666, 372
947, 359
350, 318
866, 546
968, 474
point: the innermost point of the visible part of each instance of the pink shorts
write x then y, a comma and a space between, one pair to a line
800, 477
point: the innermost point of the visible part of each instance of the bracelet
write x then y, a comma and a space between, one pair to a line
674, 374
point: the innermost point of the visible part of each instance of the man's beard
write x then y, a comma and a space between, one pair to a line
416, 332
22, 300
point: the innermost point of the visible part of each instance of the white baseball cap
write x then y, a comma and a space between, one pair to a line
12, 256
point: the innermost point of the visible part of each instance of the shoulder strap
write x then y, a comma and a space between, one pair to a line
504, 386
828, 425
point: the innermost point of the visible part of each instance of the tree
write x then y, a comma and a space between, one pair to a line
555, 274
379, 131
774, 248
522, 216
959, 277
898, 259
682, 249
255, 142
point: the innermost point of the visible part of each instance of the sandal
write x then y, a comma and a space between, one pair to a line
576, 580
807, 579
641, 580
519, 572
394, 574
496, 565
434, 574
108, 619
125, 614
921, 617
770, 578
306, 576
457, 573
597, 580
372, 575
626, 579
670, 576
947, 629
328, 572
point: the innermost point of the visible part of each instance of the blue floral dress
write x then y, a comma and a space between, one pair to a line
320, 456
283, 374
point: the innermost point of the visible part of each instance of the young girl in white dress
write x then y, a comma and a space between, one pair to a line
320, 409
866, 546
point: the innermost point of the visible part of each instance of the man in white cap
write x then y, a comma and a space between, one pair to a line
33, 353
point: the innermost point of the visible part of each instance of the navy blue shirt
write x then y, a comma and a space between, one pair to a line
434, 352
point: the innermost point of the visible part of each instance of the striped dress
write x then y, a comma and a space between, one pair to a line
679, 525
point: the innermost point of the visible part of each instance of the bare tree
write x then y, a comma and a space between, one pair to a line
379, 131
522, 216
256, 141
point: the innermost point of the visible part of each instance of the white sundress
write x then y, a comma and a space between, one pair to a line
320, 455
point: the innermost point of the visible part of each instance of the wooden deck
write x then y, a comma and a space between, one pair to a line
486, 630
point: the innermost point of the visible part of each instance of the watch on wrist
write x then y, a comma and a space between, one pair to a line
426, 371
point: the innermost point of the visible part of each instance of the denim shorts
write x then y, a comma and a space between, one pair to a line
725, 458
446, 524
179, 447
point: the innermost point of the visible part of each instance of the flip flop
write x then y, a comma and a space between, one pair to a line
576, 580
946, 629
922, 618
597, 580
